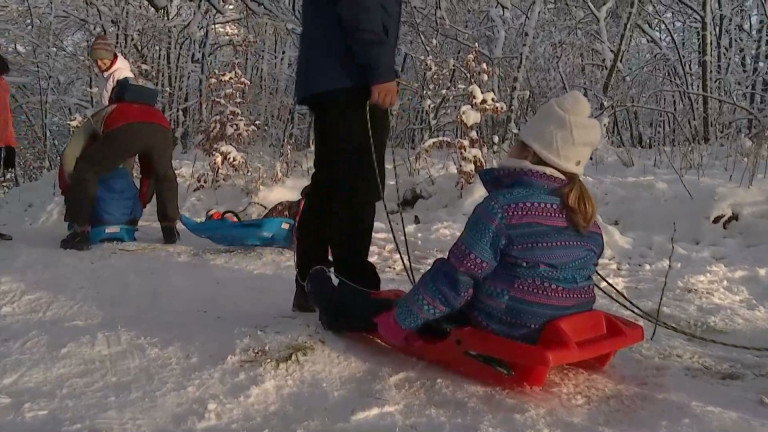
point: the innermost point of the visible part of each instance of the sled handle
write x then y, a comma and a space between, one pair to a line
232, 212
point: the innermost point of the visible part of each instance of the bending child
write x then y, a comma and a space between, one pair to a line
527, 253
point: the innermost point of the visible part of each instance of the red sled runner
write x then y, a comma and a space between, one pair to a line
588, 340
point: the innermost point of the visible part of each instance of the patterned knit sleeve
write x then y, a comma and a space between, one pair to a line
476, 253
449, 283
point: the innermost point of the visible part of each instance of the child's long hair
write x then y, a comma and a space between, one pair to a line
580, 207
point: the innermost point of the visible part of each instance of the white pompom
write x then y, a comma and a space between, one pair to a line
574, 104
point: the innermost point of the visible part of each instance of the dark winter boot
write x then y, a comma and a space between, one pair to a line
170, 234
344, 308
320, 289
78, 239
5, 237
301, 301
322, 292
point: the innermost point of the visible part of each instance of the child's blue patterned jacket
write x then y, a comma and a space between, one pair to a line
517, 265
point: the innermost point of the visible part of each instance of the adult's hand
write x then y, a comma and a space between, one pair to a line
384, 95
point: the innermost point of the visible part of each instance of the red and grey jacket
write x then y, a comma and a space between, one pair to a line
106, 120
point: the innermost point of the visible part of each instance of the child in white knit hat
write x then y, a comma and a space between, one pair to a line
112, 66
528, 251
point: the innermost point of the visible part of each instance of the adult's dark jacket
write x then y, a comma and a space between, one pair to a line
346, 44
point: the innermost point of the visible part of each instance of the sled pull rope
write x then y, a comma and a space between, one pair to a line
400, 211
410, 275
330, 272
341, 278
642, 314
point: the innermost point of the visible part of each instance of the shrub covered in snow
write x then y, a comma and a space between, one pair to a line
469, 146
228, 130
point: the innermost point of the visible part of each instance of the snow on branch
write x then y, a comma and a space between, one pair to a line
470, 149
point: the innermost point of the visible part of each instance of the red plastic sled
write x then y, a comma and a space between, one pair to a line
588, 340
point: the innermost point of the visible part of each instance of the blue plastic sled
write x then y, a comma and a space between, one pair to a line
266, 232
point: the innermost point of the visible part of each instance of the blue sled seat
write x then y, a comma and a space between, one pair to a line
116, 208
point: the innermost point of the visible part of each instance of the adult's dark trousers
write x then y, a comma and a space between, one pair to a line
8, 158
340, 206
153, 143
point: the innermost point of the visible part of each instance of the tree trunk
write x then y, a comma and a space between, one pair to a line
528, 32
706, 64
759, 57
623, 43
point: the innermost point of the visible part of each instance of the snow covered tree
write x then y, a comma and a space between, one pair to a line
228, 130
689, 77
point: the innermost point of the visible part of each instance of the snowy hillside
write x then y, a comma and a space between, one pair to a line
199, 337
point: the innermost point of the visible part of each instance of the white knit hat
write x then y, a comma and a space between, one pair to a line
562, 133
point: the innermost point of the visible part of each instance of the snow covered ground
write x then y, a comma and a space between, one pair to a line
198, 337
